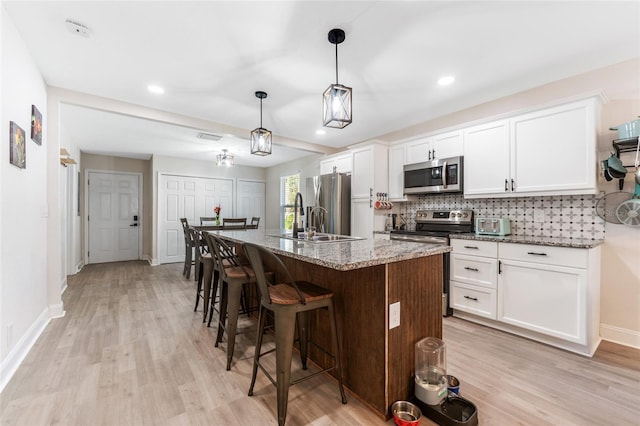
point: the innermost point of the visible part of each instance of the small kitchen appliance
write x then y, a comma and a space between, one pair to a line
431, 381
493, 226
434, 177
431, 373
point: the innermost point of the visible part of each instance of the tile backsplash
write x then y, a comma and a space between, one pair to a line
568, 216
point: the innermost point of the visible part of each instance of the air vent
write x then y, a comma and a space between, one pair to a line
209, 136
77, 28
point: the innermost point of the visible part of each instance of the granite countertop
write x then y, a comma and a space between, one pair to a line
540, 241
342, 256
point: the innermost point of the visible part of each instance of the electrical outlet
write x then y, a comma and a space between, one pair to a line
394, 315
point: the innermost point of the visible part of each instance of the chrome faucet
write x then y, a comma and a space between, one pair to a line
298, 210
320, 221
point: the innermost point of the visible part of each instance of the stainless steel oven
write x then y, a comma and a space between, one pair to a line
436, 176
434, 227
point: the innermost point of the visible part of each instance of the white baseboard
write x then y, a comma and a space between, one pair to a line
152, 262
79, 266
18, 353
622, 336
57, 310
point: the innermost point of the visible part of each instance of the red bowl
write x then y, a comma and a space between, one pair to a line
405, 413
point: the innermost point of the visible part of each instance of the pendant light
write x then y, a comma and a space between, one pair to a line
336, 111
224, 159
261, 137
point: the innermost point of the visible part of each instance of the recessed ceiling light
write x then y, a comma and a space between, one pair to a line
447, 80
155, 89
320, 132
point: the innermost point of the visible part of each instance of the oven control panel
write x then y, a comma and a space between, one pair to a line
444, 216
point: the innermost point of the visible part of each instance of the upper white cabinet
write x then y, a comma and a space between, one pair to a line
341, 162
486, 159
546, 152
446, 145
435, 147
396, 172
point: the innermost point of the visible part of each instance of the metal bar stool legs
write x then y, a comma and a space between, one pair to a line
230, 303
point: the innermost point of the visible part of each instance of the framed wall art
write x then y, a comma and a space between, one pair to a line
36, 125
18, 152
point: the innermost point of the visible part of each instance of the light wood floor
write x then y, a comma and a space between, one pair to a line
131, 351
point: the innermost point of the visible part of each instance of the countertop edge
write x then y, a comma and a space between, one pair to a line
540, 241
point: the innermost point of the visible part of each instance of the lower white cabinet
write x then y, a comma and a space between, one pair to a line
546, 293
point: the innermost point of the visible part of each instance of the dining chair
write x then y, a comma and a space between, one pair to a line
188, 248
234, 223
204, 220
255, 222
290, 302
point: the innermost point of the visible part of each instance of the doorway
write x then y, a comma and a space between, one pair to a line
114, 221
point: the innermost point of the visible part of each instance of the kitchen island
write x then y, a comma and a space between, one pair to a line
366, 277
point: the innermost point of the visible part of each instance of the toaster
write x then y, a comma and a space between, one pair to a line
493, 226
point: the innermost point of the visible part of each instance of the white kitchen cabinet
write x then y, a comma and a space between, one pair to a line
396, 172
362, 217
486, 159
447, 144
473, 275
546, 293
442, 145
550, 151
341, 163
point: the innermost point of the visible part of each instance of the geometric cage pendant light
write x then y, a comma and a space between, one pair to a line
261, 137
336, 100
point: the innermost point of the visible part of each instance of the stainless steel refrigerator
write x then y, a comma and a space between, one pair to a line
329, 210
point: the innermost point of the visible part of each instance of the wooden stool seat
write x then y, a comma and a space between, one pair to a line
284, 294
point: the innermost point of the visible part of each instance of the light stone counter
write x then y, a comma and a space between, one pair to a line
541, 241
341, 256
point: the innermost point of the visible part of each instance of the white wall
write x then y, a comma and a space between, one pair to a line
24, 289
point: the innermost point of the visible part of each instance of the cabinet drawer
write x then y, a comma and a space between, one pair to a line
475, 300
475, 248
561, 256
474, 270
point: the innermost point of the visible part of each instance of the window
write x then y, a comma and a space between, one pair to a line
289, 186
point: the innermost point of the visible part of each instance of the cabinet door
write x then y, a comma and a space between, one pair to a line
418, 151
554, 149
343, 164
447, 145
543, 298
474, 270
396, 172
486, 159
362, 218
362, 174
326, 166
476, 300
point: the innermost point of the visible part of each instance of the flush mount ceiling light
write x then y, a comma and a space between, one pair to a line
224, 159
447, 80
155, 89
261, 137
336, 105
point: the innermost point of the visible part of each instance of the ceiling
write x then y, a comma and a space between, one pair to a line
210, 57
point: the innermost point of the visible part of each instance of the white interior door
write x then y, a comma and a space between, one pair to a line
187, 197
114, 231
251, 200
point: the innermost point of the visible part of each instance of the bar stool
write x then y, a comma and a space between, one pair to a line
290, 302
202, 256
188, 248
233, 274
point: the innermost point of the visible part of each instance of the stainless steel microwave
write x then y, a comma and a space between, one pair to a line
436, 176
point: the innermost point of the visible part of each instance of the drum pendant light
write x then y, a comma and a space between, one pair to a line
336, 105
261, 137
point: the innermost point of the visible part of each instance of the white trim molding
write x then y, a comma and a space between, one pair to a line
622, 336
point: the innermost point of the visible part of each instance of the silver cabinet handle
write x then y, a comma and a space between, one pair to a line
471, 269
471, 247
475, 299
533, 253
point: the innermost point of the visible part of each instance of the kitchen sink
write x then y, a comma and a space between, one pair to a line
319, 238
